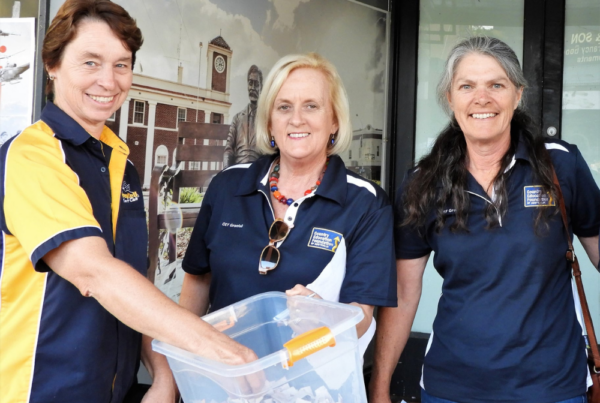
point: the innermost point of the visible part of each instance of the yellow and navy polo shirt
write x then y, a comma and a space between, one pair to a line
58, 183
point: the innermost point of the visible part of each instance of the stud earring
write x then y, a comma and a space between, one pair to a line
332, 139
51, 78
272, 142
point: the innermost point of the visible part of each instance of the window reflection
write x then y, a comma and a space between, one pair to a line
581, 80
443, 25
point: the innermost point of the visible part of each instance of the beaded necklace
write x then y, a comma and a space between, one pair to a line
274, 179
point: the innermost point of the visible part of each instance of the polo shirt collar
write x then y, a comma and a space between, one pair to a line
521, 153
334, 183
254, 176
67, 129
64, 127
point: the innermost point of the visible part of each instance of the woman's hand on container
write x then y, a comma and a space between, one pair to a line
228, 351
222, 348
299, 289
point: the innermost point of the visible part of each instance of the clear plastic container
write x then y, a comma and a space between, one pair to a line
307, 349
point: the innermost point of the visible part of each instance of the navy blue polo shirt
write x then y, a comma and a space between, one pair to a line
60, 184
347, 221
506, 328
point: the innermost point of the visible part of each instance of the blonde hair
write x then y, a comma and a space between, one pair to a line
277, 76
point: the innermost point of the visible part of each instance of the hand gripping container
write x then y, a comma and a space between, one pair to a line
307, 349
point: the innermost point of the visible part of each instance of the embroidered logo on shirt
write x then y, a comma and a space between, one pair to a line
128, 195
536, 197
325, 239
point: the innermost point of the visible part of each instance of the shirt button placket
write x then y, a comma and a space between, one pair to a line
292, 210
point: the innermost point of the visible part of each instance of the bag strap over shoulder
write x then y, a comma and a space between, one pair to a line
570, 255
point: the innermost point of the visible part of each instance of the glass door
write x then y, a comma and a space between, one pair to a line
441, 27
581, 106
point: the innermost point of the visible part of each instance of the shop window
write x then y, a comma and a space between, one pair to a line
581, 81
139, 109
581, 104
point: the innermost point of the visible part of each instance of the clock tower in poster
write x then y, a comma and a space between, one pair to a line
219, 58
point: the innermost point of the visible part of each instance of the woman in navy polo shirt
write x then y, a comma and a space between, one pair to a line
483, 200
296, 219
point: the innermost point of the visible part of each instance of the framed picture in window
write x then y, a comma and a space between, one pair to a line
200, 64
17, 50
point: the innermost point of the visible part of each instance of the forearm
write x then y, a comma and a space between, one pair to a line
590, 245
194, 293
163, 388
157, 367
132, 299
136, 302
393, 331
394, 324
155, 363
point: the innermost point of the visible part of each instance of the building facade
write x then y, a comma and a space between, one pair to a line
366, 153
148, 120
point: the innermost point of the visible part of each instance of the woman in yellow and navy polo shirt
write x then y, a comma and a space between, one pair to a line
73, 226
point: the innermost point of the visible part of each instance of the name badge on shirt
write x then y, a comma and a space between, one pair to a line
535, 196
325, 239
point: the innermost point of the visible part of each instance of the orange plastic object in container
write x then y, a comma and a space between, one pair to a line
308, 343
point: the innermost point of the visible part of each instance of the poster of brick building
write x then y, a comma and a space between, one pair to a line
194, 67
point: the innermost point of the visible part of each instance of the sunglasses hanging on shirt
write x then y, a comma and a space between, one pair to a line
270, 256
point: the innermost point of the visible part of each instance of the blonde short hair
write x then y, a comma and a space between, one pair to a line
277, 76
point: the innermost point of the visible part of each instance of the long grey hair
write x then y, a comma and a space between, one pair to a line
440, 179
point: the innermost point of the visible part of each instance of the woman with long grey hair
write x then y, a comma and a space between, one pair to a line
484, 201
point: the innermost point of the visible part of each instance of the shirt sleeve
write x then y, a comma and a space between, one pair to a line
410, 243
370, 264
43, 204
197, 255
585, 204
